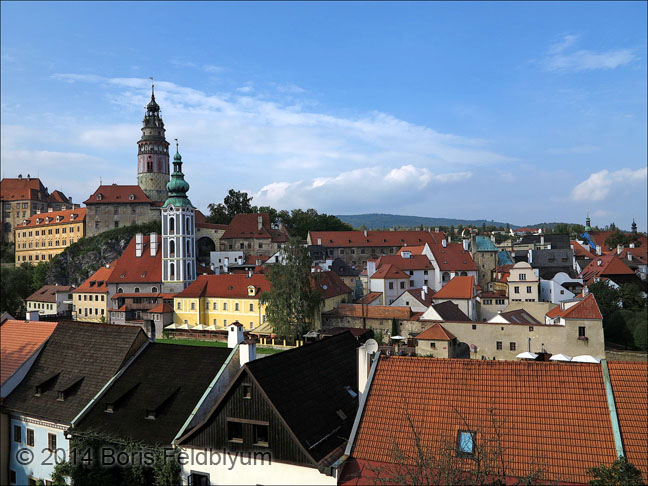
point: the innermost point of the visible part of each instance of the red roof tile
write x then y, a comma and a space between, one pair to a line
247, 226
457, 288
553, 415
580, 251
453, 258
22, 189
587, 308
19, 341
331, 285
369, 298
98, 281
201, 222
161, 309
374, 238
226, 285
389, 272
58, 197
53, 218
132, 269
115, 194
47, 293
415, 262
610, 266
436, 332
372, 311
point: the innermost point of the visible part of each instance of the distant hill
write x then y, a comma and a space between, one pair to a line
384, 221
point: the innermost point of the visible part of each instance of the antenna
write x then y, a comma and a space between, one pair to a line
371, 346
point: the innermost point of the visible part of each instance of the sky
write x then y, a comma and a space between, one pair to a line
519, 112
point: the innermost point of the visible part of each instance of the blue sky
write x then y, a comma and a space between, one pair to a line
519, 112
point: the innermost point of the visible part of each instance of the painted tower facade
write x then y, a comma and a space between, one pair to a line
153, 154
178, 233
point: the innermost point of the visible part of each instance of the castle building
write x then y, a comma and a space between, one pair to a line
178, 233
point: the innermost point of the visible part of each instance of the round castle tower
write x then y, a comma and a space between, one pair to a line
153, 154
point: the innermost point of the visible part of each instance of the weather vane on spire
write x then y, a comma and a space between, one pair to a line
177, 144
152, 85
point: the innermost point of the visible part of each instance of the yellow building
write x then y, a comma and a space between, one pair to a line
90, 300
215, 301
44, 235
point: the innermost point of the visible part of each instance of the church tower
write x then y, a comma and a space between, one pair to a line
178, 233
153, 154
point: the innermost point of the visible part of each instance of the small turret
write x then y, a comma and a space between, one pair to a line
634, 227
588, 228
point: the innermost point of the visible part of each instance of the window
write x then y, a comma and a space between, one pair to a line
425, 272
261, 435
402, 285
433, 345
235, 431
198, 479
224, 306
247, 391
215, 322
581, 332
528, 289
474, 326
17, 435
499, 345
466, 442
251, 307
516, 290
512, 346
215, 306
236, 307
523, 276
391, 285
411, 283
499, 301
178, 306
51, 442
530, 328
116, 225
193, 306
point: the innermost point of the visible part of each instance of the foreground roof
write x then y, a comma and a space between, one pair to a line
585, 308
130, 268
78, 360
20, 339
98, 281
551, 415
457, 288
47, 293
168, 379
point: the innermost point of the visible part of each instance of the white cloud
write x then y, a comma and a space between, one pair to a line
561, 59
575, 150
599, 184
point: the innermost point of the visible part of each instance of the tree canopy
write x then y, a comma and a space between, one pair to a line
293, 301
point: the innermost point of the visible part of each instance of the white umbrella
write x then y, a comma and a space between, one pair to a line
560, 357
171, 326
398, 337
184, 326
585, 358
527, 355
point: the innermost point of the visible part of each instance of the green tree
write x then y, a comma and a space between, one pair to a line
619, 473
236, 202
299, 222
561, 229
39, 275
607, 297
619, 238
16, 284
293, 301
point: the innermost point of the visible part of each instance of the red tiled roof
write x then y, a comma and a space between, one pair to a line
374, 238
50, 219
22, 189
581, 251
629, 384
161, 309
114, 194
415, 262
611, 265
19, 341
551, 415
389, 272
457, 288
201, 222
519, 316
418, 295
226, 285
639, 255
252, 259
492, 295
453, 258
369, 298
526, 230
58, 197
414, 250
98, 281
133, 295
132, 269
247, 226
331, 285
372, 311
599, 238
585, 309
436, 332
47, 293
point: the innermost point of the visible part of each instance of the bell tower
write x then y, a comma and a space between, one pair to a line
178, 233
153, 154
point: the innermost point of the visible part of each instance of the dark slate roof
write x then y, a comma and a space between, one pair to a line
342, 269
79, 359
449, 311
167, 378
307, 387
557, 241
484, 243
503, 258
552, 258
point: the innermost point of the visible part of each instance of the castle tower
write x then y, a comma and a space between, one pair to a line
588, 222
634, 227
178, 233
153, 154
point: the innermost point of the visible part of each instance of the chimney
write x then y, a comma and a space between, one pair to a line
258, 262
226, 265
599, 262
371, 267
234, 334
632, 245
365, 233
629, 256
32, 316
364, 364
436, 230
319, 241
139, 244
247, 351
240, 260
424, 290
530, 253
444, 243
542, 239
249, 273
154, 244
260, 222
619, 249
598, 250
465, 243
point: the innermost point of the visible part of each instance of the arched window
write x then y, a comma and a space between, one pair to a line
120, 290
172, 270
154, 290
171, 225
463, 274
136, 290
187, 226
188, 248
172, 248
188, 271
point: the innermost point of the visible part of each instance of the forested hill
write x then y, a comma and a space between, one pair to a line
381, 221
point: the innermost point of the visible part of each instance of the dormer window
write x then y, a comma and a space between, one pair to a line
466, 442
131, 197
150, 415
99, 197
59, 218
251, 290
